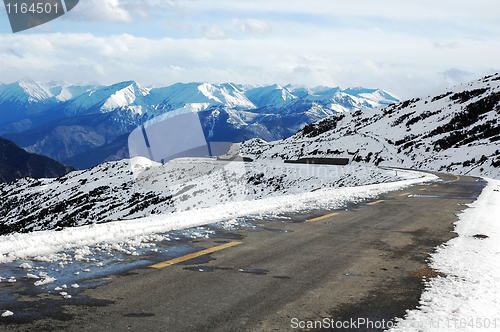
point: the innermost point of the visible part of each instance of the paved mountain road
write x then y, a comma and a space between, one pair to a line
365, 261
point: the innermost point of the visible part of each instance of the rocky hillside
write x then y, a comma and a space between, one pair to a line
129, 189
456, 130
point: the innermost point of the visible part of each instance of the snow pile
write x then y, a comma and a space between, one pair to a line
7, 313
46, 280
468, 298
48, 245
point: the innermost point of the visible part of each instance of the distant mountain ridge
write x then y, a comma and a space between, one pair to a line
72, 100
67, 122
26, 97
456, 130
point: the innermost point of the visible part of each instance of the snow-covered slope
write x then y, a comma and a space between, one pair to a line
117, 191
457, 130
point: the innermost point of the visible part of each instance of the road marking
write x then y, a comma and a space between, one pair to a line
376, 202
423, 189
435, 185
323, 217
405, 194
458, 178
194, 255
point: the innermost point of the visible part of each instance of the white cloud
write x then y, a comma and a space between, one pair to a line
214, 31
144, 8
101, 11
405, 48
446, 44
422, 9
456, 75
406, 67
249, 26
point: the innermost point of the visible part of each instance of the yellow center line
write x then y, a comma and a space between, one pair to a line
194, 255
376, 202
323, 217
458, 178
405, 194
435, 185
423, 189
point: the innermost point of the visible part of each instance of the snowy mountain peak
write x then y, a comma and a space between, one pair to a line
25, 90
131, 85
27, 81
324, 90
357, 90
127, 93
271, 95
104, 99
180, 94
59, 83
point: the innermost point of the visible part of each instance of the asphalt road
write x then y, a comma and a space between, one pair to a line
365, 261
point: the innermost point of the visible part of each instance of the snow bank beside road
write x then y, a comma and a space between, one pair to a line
44, 245
468, 298
131, 189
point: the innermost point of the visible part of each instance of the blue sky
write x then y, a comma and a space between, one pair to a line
409, 49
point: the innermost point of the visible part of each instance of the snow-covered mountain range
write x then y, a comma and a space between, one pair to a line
456, 130
78, 123
26, 97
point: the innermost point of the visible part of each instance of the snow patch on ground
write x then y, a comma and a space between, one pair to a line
7, 313
468, 298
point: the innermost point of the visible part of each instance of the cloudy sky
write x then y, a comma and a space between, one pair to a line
407, 48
